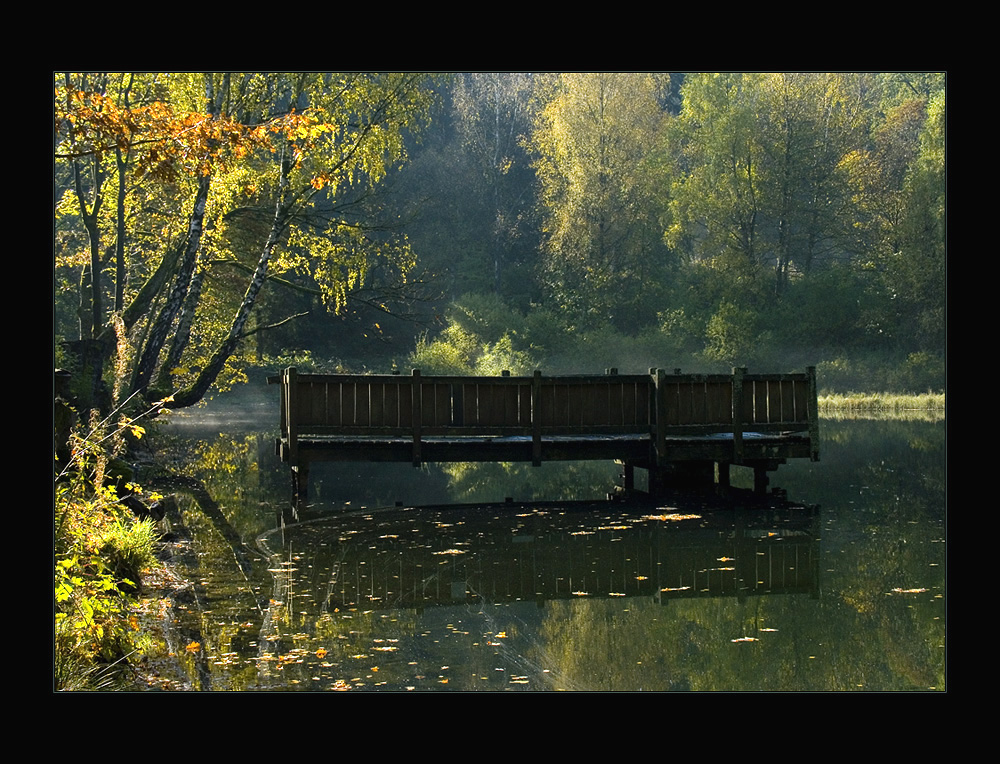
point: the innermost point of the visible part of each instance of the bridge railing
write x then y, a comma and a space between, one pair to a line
659, 404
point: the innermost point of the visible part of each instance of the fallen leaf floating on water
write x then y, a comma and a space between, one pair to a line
908, 591
745, 639
193, 647
451, 551
321, 653
672, 517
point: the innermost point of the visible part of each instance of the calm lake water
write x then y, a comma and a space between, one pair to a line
840, 587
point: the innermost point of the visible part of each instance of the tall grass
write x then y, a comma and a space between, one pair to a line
881, 403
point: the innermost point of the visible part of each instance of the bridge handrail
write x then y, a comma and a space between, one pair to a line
659, 404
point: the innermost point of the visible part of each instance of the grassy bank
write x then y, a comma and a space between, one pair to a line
892, 404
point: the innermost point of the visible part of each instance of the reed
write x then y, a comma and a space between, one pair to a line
880, 402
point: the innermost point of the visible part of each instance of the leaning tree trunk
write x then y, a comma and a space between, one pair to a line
158, 336
282, 212
185, 320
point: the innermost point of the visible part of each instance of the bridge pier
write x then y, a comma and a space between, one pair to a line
699, 474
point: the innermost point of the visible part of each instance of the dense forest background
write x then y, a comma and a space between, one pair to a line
210, 224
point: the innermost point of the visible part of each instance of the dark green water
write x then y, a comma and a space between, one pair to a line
841, 588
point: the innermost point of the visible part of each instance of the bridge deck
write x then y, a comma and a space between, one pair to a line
634, 448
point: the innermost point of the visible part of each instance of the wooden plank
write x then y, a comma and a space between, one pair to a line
442, 405
362, 403
376, 404
427, 404
510, 406
484, 395
787, 400
760, 400
699, 403
685, 413
404, 398
602, 402
470, 409
643, 411
499, 393
560, 397
719, 400
668, 393
620, 409
800, 394
524, 416
390, 404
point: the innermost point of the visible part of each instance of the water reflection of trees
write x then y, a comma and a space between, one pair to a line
879, 623
556, 481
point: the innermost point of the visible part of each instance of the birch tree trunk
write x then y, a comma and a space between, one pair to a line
158, 336
282, 212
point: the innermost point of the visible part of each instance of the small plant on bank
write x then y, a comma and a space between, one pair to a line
100, 551
94, 596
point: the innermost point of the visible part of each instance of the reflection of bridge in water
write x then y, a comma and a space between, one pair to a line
678, 426
428, 557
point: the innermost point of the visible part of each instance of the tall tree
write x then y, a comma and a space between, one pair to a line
494, 117
602, 250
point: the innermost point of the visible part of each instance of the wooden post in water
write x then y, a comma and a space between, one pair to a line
760, 479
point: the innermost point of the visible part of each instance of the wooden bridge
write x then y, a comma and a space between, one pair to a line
676, 426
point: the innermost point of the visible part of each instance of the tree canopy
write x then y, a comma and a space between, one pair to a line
694, 219
204, 187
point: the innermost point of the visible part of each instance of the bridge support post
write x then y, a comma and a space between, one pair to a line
760, 479
300, 481
628, 476
723, 468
